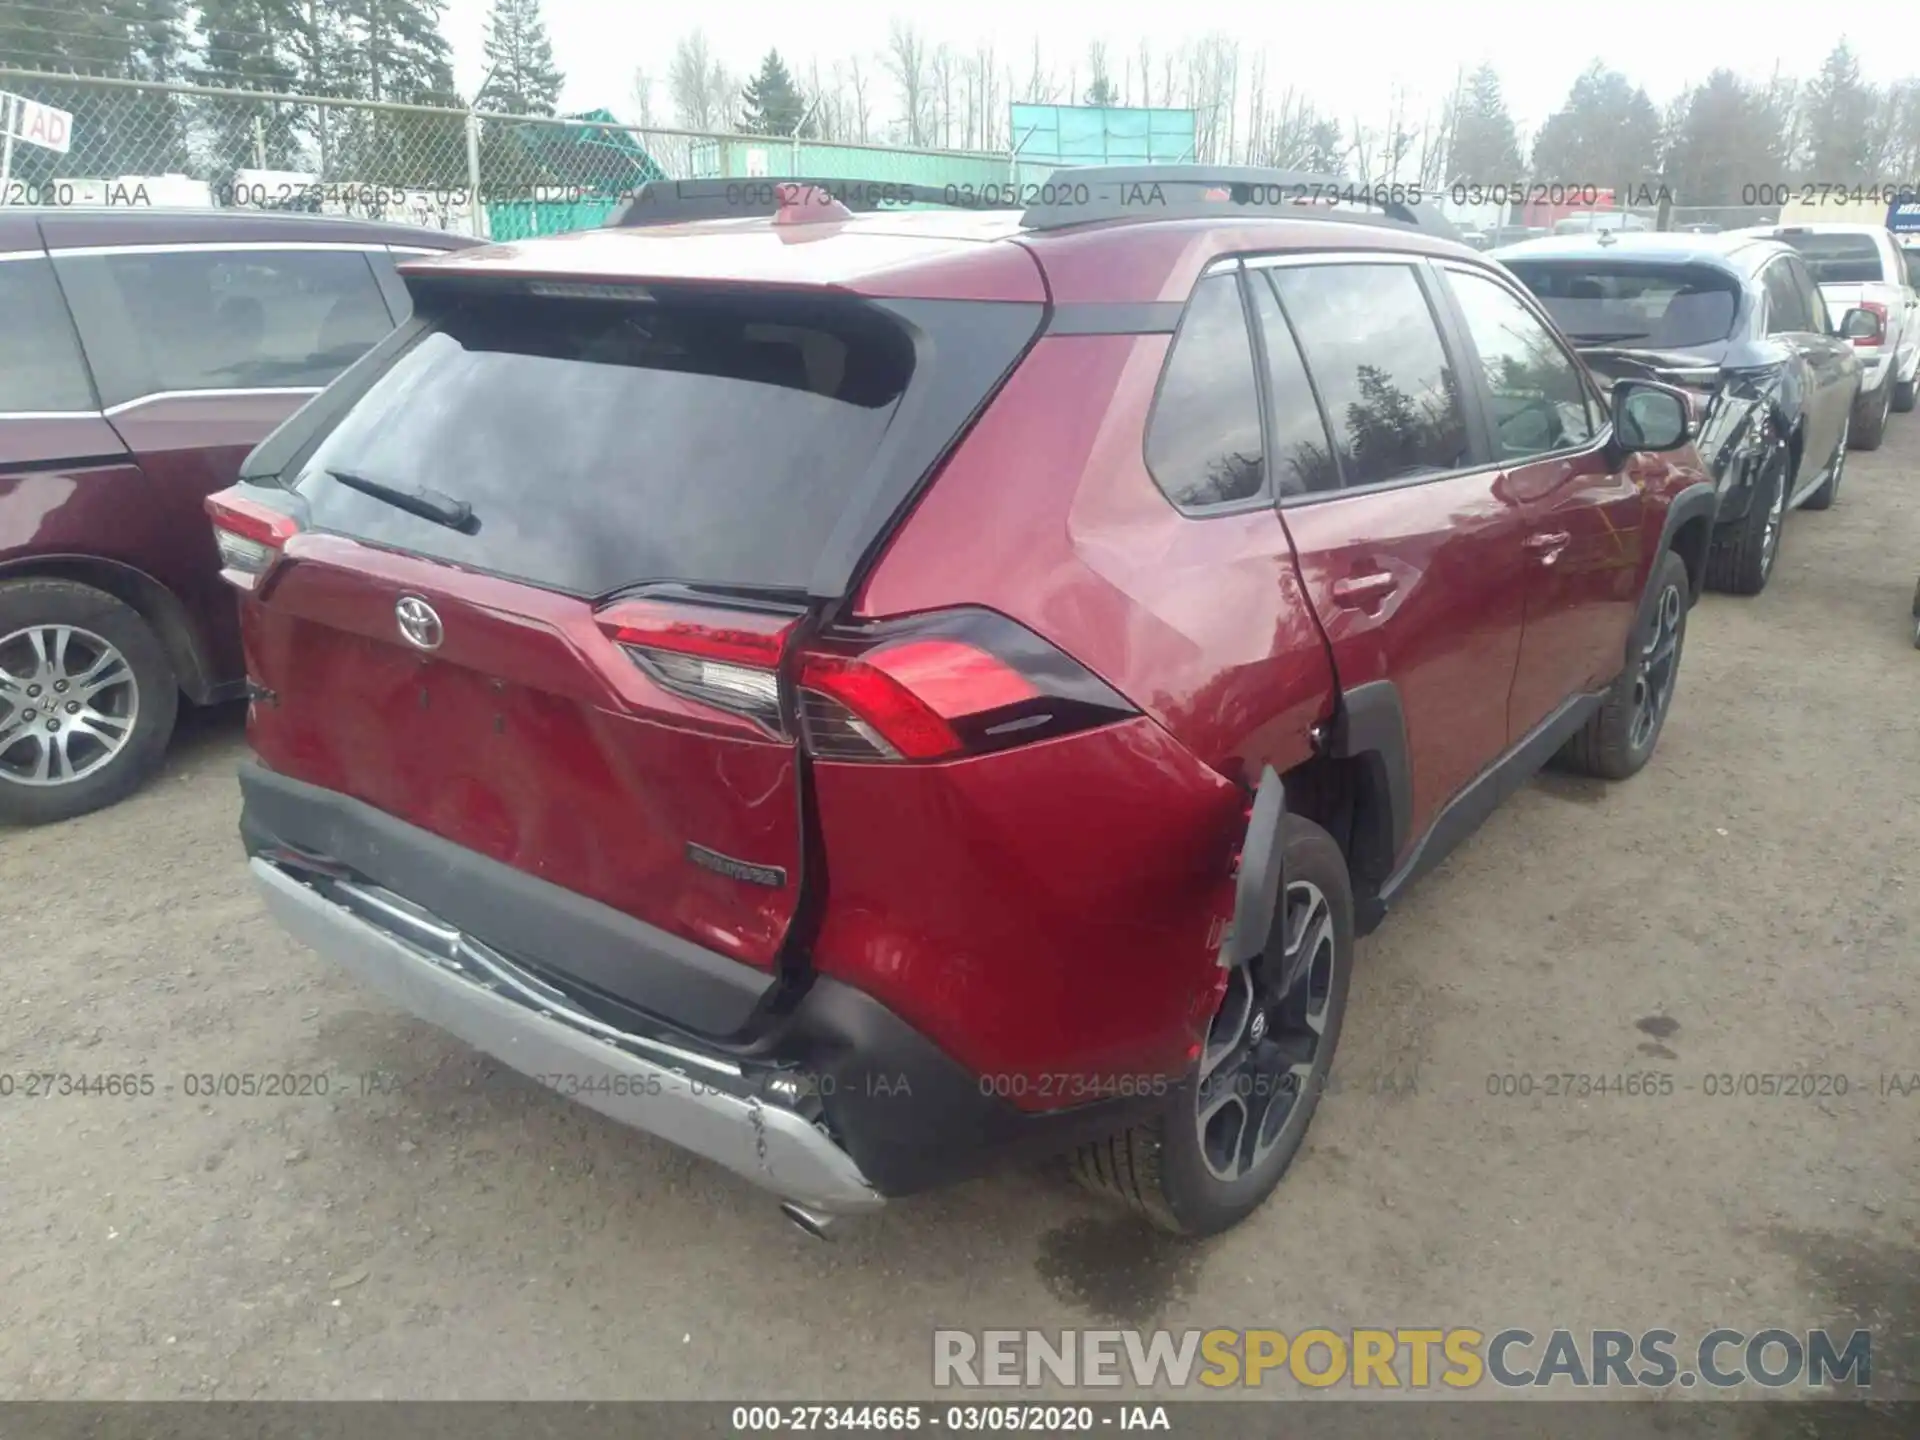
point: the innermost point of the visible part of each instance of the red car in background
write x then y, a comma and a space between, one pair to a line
858, 694
143, 353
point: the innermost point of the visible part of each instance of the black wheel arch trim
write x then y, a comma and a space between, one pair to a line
1261, 878
1697, 502
174, 626
1371, 721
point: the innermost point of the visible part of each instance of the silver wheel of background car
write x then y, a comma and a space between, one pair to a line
1653, 686
68, 704
1260, 1053
1776, 514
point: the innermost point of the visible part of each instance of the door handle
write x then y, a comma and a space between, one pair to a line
1548, 544
1364, 590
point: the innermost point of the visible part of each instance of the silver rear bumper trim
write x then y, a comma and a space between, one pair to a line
480, 997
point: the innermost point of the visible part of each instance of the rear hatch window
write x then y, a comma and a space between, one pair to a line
601, 443
1649, 307
1838, 259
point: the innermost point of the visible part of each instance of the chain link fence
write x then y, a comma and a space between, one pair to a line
477, 172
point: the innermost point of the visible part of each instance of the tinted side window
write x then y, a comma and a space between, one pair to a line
224, 319
40, 365
1203, 440
1302, 458
1539, 401
1375, 352
1786, 310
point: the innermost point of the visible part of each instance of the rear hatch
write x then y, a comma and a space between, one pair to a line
534, 583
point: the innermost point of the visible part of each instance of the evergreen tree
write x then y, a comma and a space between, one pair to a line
773, 104
1607, 133
1840, 109
1486, 147
523, 78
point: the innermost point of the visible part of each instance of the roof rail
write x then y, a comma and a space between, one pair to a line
1081, 195
677, 202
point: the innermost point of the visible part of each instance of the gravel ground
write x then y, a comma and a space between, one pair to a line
445, 1229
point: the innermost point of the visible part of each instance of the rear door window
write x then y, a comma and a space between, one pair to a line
703, 439
1384, 377
1203, 439
1302, 455
1539, 402
239, 319
40, 366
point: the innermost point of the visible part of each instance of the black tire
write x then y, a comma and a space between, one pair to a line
1903, 395
1158, 1168
1612, 744
1742, 559
1870, 418
28, 604
1829, 491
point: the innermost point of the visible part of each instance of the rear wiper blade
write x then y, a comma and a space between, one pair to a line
1609, 338
428, 504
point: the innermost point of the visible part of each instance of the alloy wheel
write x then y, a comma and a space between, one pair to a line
1653, 686
1776, 511
1265, 1042
68, 704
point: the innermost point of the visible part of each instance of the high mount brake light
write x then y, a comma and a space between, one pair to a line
929, 687
249, 535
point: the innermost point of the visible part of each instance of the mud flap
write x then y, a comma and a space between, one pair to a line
1261, 879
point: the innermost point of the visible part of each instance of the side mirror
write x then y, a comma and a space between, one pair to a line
1863, 325
1650, 417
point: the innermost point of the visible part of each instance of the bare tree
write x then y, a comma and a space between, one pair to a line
857, 89
907, 59
1039, 87
945, 72
697, 83
987, 77
1146, 77
1100, 89
643, 96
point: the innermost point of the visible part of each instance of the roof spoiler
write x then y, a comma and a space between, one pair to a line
1070, 195
680, 202
1082, 195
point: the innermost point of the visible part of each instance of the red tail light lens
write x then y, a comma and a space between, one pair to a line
1876, 308
728, 659
249, 535
940, 686
930, 687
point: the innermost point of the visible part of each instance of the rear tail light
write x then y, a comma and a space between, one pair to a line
930, 687
724, 658
1879, 309
249, 535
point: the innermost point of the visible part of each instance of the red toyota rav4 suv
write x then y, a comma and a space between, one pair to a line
854, 694
143, 352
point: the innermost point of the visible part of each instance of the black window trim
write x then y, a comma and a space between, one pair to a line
1261, 499
366, 249
1483, 398
1479, 448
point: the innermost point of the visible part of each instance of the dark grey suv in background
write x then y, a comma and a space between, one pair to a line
1740, 323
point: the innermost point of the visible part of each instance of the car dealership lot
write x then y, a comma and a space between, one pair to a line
434, 1225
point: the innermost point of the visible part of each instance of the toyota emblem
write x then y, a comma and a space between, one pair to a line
419, 625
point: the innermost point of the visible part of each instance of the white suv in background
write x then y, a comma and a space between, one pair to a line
1860, 265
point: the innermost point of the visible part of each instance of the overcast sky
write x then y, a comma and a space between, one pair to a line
1346, 55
